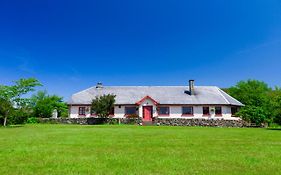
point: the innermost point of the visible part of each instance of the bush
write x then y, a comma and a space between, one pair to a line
274, 125
32, 120
113, 121
19, 117
253, 114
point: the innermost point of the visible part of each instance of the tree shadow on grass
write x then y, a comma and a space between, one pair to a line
274, 129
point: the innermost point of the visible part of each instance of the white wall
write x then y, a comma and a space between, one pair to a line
74, 112
175, 111
119, 112
148, 102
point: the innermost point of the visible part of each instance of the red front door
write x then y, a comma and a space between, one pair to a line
147, 113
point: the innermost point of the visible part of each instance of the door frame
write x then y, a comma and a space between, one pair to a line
151, 111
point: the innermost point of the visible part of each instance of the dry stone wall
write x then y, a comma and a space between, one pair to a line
202, 122
157, 121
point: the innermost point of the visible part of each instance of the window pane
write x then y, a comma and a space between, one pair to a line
164, 110
130, 110
206, 111
81, 110
218, 110
187, 110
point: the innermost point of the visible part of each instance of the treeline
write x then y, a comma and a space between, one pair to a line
262, 103
17, 108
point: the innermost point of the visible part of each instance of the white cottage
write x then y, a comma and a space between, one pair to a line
149, 102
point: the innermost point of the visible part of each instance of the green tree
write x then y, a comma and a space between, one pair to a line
255, 95
251, 92
275, 104
6, 109
102, 105
43, 105
253, 114
14, 94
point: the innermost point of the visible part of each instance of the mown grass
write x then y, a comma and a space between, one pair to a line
73, 149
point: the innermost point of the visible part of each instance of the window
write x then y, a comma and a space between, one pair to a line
187, 110
163, 110
82, 110
234, 110
130, 110
206, 111
218, 111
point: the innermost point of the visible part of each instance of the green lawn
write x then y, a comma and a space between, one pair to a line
74, 149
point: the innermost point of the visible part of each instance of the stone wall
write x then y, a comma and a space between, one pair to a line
157, 121
201, 122
89, 121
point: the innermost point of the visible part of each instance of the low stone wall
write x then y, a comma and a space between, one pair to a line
89, 121
157, 121
201, 122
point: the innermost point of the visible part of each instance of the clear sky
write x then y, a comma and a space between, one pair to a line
70, 45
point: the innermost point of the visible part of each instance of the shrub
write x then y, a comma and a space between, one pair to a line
32, 120
19, 116
113, 121
253, 114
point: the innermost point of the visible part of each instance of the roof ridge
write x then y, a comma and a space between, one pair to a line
230, 97
93, 87
85, 90
222, 95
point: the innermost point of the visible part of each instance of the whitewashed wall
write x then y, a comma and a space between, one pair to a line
175, 111
147, 102
74, 112
119, 112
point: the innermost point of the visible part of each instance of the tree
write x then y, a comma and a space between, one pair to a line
251, 92
43, 105
14, 95
255, 95
253, 114
6, 109
275, 104
102, 105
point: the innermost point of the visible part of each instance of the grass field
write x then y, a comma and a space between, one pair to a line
74, 149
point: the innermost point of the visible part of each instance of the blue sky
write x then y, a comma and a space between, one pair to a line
71, 45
